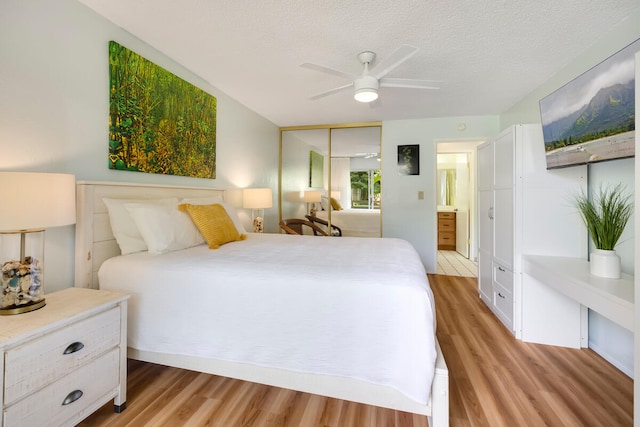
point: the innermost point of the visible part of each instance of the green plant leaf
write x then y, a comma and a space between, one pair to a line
605, 214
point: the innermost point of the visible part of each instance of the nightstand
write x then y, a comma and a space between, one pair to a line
64, 361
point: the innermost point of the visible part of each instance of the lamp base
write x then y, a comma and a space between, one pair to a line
22, 308
258, 224
21, 282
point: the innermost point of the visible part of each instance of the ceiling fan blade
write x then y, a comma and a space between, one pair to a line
328, 70
331, 92
409, 83
400, 55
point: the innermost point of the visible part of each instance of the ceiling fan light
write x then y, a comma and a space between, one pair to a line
366, 88
366, 95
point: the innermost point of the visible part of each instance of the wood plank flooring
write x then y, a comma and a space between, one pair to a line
451, 263
495, 380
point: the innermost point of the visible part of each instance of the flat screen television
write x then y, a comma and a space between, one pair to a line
592, 118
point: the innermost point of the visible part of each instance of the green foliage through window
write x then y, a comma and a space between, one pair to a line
365, 189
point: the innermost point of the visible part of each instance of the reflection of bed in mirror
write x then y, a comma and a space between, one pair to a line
355, 222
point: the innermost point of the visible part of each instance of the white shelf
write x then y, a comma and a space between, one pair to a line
612, 298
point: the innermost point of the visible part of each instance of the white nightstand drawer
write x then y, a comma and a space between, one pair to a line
43, 360
83, 389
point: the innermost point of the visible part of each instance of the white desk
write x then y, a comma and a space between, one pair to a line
612, 298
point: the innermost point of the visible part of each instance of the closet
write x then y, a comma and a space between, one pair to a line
525, 209
334, 172
496, 193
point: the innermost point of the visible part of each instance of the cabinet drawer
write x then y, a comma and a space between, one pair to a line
446, 224
31, 365
446, 238
503, 302
503, 276
92, 383
447, 215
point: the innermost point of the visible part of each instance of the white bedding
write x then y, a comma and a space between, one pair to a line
355, 222
359, 308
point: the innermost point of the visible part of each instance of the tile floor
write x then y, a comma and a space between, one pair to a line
451, 263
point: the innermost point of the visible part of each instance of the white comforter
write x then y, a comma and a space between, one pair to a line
354, 307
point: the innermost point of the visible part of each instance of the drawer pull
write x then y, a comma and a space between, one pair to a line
500, 295
501, 269
73, 347
72, 397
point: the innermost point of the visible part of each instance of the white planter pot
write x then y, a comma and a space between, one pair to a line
605, 263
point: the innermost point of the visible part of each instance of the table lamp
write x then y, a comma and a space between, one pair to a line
311, 198
31, 203
257, 199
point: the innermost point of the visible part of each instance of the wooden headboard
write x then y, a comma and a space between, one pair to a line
94, 239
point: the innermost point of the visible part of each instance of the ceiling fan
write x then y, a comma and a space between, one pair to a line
366, 85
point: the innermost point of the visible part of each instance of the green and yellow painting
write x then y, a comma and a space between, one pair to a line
158, 122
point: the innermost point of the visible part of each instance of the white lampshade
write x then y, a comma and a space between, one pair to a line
36, 200
312, 196
31, 203
257, 198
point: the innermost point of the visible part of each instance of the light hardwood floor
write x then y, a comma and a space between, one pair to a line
495, 380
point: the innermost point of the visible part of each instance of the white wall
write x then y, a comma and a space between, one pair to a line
403, 214
610, 340
54, 86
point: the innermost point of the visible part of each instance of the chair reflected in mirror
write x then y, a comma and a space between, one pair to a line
299, 226
335, 230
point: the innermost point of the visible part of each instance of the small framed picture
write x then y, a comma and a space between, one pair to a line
409, 159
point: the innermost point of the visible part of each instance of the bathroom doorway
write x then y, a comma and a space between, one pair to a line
456, 192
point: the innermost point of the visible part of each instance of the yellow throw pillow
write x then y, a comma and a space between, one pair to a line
214, 224
335, 205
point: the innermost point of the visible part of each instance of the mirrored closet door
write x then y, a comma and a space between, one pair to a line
332, 174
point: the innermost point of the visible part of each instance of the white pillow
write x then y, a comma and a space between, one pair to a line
231, 211
124, 227
324, 203
163, 227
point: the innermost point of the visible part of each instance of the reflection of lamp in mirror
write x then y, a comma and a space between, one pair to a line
31, 203
257, 199
311, 198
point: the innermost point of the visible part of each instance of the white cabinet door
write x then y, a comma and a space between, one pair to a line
485, 166
485, 276
485, 220
503, 160
503, 227
503, 208
485, 240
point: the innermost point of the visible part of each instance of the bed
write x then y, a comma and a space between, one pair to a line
310, 328
355, 222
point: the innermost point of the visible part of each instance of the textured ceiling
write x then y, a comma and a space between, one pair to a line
488, 54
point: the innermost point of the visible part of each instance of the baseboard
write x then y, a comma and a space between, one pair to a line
627, 370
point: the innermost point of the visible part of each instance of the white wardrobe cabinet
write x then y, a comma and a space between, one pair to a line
496, 194
523, 209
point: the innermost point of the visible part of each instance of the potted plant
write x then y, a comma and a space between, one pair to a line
606, 215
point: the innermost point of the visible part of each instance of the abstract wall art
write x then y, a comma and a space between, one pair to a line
158, 122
